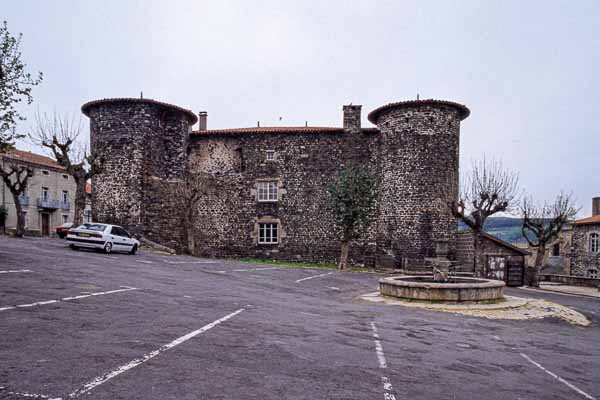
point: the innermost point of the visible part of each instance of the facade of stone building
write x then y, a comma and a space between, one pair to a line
268, 195
585, 244
501, 260
48, 198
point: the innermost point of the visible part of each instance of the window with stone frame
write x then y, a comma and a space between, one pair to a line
594, 242
592, 273
267, 191
268, 233
270, 155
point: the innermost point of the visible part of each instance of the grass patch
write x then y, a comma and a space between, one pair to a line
299, 264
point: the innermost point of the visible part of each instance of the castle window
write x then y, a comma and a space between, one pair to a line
594, 242
267, 233
270, 155
267, 191
592, 273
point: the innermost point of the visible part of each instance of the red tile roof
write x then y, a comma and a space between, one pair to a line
32, 158
86, 107
276, 129
462, 110
589, 220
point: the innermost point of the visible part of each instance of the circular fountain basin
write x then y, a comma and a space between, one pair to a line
455, 289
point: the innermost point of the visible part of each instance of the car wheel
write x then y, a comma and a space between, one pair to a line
73, 247
108, 247
133, 249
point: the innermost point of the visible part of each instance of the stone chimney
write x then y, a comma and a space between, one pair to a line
352, 117
202, 115
595, 206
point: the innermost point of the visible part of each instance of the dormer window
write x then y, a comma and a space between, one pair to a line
270, 155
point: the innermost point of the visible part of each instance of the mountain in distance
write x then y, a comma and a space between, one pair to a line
504, 228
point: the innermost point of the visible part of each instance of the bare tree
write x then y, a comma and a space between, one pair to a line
15, 178
61, 135
194, 185
488, 189
542, 224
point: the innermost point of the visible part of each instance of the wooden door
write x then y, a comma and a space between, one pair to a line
496, 266
45, 224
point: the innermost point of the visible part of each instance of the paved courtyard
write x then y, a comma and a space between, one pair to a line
95, 326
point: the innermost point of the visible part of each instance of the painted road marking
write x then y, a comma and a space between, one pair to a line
138, 361
13, 271
82, 296
29, 395
145, 261
552, 374
312, 277
247, 270
388, 390
190, 262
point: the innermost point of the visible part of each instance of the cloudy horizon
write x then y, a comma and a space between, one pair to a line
524, 69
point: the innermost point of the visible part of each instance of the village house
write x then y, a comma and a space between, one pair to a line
585, 244
48, 200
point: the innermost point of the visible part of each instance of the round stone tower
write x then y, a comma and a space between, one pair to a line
418, 156
141, 144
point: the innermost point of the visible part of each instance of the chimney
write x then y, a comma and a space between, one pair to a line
595, 206
352, 117
202, 115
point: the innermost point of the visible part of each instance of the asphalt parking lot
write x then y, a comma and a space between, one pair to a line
81, 324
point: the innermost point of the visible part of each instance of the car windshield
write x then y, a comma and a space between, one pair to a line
93, 227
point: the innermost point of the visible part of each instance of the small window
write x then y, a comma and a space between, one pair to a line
267, 233
65, 218
556, 250
270, 155
45, 194
594, 242
65, 196
25, 218
65, 176
267, 191
45, 172
592, 273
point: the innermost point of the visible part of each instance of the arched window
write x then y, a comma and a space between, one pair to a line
594, 242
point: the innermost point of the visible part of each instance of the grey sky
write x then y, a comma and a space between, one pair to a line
528, 70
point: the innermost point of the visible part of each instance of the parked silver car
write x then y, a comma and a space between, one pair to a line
102, 236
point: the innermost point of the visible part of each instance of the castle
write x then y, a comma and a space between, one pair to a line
271, 200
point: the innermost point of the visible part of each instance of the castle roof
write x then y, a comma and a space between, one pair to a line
276, 129
32, 158
462, 110
589, 220
86, 107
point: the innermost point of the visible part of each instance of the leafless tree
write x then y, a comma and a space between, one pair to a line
487, 189
542, 224
61, 135
193, 187
15, 178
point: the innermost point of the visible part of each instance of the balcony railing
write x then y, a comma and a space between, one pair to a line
24, 200
65, 205
48, 203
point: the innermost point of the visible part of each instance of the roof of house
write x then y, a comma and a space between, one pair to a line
88, 187
32, 158
86, 107
595, 219
499, 242
462, 110
276, 129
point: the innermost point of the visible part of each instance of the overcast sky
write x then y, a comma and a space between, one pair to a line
528, 70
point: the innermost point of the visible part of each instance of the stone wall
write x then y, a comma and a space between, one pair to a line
584, 262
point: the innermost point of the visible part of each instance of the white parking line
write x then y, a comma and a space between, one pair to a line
138, 361
247, 270
388, 390
145, 261
312, 277
82, 296
190, 262
552, 374
29, 395
13, 271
